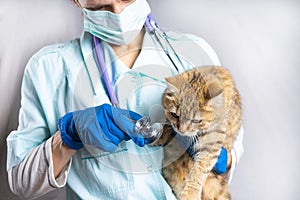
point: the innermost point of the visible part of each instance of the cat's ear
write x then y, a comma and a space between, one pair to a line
213, 88
173, 84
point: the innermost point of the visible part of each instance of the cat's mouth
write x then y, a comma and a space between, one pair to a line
186, 133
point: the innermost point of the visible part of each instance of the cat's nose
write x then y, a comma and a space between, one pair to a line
182, 128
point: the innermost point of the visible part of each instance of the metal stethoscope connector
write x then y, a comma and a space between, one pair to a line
150, 131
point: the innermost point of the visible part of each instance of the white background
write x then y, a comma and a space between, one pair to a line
258, 41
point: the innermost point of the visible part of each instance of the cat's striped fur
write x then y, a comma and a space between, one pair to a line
204, 104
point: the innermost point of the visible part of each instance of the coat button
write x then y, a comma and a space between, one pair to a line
149, 168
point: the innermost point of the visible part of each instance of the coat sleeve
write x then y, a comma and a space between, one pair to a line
29, 154
34, 176
236, 153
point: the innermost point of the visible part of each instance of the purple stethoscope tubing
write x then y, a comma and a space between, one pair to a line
148, 25
98, 54
99, 58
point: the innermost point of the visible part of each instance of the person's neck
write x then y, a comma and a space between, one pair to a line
128, 53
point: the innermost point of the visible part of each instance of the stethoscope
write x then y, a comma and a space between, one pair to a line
154, 30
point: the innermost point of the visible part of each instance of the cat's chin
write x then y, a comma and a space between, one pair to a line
188, 134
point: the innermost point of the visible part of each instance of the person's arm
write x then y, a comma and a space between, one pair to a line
61, 154
29, 148
42, 170
46, 167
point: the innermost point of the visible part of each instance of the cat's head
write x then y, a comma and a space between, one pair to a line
193, 101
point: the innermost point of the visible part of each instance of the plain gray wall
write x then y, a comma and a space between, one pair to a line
259, 41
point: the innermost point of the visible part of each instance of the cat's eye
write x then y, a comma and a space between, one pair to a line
197, 121
174, 115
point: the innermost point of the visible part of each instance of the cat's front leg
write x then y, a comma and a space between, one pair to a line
189, 192
194, 183
205, 158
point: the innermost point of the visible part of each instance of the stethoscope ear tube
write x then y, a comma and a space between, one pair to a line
154, 29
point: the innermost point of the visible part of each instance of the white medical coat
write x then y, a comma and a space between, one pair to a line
63, 78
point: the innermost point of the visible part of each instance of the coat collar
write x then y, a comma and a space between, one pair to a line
115, 67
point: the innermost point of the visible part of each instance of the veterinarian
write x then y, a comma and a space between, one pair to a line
70, 134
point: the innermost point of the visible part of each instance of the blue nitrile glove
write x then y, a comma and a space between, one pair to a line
103, 127
221, 164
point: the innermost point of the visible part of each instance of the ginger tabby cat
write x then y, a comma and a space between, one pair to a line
204, 105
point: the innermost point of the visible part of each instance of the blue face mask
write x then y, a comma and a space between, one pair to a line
118, 29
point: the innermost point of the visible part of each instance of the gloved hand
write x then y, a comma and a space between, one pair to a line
103, 127
221, 164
